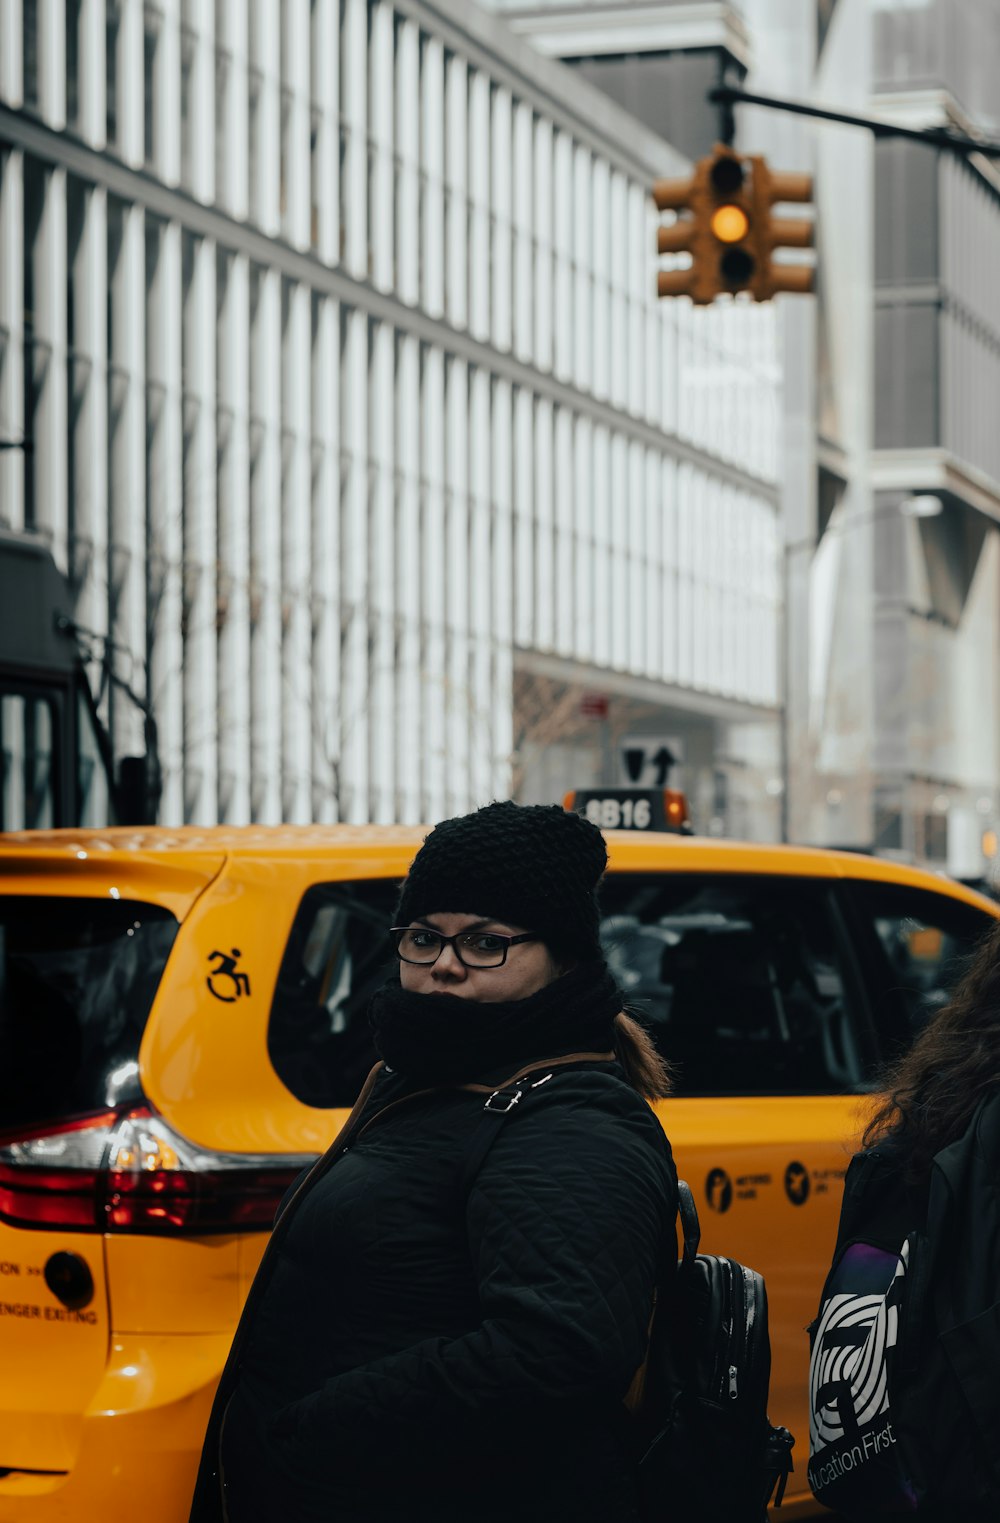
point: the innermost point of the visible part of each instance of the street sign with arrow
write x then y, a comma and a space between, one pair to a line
647, 760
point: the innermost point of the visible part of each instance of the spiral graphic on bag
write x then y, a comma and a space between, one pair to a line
850, 1427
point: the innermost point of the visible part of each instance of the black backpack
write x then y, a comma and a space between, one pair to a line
704, 1446
904, 1397
708, 1448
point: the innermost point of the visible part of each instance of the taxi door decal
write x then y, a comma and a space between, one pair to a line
226, 981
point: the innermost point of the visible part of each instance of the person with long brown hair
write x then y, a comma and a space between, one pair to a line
420, 1346
904, 1408
933, 1091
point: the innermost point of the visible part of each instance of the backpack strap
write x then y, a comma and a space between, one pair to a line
690, 1226
505, 1097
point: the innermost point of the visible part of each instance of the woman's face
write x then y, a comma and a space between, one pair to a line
529, 966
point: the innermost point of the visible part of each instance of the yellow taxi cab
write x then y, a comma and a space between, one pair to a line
183, 1027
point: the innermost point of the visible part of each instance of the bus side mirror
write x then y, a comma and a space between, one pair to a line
137, 790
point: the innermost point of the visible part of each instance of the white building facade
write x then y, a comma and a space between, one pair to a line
331, 328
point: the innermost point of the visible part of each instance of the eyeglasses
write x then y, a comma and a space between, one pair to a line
474, 949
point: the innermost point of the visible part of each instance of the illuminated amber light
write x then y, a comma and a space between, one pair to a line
730, 224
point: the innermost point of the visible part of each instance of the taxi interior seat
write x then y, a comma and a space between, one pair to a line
740, 1022
819, 1022
840, 1048
723, 1025
635, 954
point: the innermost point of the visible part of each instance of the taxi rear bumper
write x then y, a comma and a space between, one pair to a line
140, 1439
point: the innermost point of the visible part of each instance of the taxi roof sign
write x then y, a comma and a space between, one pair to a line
612, 808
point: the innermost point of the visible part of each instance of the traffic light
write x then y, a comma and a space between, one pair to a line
770, 188
725, 222
715, 225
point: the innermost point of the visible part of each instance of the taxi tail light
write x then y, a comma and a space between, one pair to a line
128, 1171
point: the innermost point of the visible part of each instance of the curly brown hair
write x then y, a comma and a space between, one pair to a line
934, 1089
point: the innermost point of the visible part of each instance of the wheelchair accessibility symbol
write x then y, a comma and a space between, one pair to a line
225, 981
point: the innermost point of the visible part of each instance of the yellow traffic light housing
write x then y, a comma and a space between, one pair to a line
730, 253
725, 222
686, 197
715, 225
771, 187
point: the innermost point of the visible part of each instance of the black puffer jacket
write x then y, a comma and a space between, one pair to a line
410, 1353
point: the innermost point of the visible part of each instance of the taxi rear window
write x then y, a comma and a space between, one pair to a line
77, 979
337, 955
743, 980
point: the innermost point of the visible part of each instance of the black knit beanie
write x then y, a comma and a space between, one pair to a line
534, 865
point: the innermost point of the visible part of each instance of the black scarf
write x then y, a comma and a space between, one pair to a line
442, 1038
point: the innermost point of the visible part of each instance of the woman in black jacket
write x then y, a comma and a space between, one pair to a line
454, 1304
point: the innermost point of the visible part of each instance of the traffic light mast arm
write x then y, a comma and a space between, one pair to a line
936, 137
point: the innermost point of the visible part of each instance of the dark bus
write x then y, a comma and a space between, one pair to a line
56, 760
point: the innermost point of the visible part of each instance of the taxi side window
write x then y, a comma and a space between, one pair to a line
338, 953
742, 980
917, 945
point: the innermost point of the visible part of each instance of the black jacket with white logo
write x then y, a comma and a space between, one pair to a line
415, 1351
